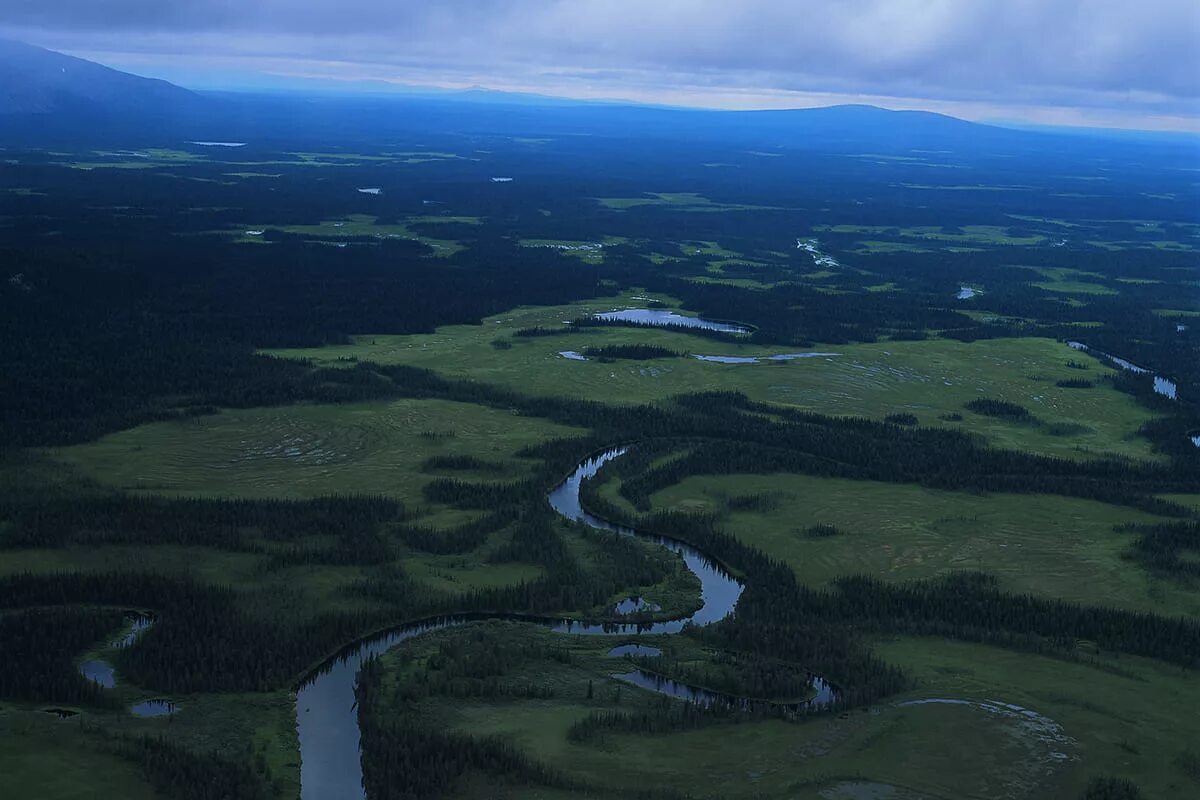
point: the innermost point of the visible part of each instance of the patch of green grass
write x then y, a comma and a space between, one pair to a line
707, 249
43, 758
1128, 722
869, 246
308, 450
1077, 287
354, 226
589, 252
1065, 723
890, 238
1040, 544
928, 378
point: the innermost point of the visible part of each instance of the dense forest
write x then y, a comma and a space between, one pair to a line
135, 295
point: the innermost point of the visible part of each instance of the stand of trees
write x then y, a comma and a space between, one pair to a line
40, 646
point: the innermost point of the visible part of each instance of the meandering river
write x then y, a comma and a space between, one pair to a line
326, 719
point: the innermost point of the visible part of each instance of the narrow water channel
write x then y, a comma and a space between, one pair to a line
326, 718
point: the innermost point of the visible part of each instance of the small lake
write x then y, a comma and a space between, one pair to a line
371, 190
99, 671
660, 317
965, 293
571, 355
1164, 386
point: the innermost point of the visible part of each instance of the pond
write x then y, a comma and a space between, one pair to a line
663, 318
99, 671
571, 355
1164, 386
154, 708
965, 293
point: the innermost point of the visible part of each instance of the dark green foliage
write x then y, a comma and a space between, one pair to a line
1074, 383
404, 761
663, 716
461, 462
1002, 409
1111, 789
636, 352
822, 530
1160, 548
202, 635
759, 501
182, 774
902, 419
743, 675
40, 647
269, 527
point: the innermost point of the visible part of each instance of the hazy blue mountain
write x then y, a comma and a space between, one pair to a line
47, 96
34, 80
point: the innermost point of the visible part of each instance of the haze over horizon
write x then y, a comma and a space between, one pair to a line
1062, 62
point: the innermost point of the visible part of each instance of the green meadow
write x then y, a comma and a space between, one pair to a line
1038, 544
931, 379
978, 722
306, 451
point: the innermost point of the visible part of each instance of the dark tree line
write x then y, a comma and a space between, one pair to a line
40, 646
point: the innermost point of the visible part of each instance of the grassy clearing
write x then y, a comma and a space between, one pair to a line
930, 378
890, 238
1041, 544
306, 451
355, 226
588, 252
44, 758
1120, 720
1128, 722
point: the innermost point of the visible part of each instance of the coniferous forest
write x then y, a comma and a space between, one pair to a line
282, 459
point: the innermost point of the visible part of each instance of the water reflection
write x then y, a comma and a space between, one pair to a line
1164, 386
154, 708
99, 671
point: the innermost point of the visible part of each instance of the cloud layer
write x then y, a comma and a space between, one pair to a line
1113, 58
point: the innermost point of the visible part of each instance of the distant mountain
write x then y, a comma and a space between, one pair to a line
42, 82
51, 97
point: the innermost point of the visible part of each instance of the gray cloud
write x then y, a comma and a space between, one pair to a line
1122, 56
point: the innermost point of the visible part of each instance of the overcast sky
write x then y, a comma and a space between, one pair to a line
1098, 62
